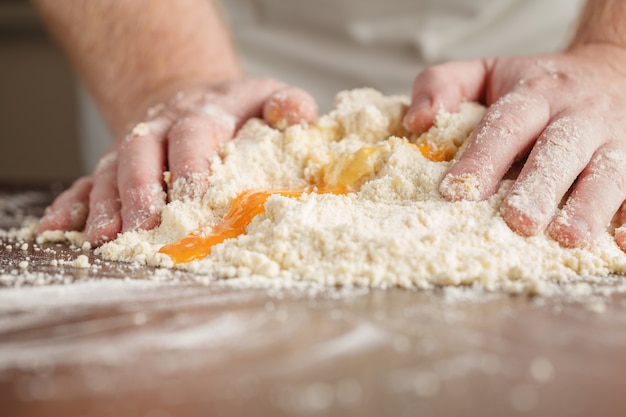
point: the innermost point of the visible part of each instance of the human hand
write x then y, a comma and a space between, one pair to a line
127, 189
563, 114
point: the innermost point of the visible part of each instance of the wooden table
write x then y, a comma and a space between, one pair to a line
121, 340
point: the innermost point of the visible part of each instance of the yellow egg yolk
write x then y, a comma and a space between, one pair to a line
339, 177
436, 154
244, 208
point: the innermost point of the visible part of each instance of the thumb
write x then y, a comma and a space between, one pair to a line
445, 86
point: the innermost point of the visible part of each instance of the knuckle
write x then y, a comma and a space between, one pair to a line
184, 124
539, 83
610, 164
135, 188
507, 119
563, 141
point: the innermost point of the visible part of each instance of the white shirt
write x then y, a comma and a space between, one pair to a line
328, 45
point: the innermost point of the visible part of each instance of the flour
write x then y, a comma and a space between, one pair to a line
393, 230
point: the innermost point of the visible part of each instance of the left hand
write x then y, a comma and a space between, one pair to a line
127, 191
562, 113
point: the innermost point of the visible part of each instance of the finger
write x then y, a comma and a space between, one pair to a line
597, 195
192, 141
560, 154
504, 134
290, 106
444, 86
141, 163
620, 232
245, 98
69, 210
104, 221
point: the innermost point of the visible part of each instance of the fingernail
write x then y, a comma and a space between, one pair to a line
570, 231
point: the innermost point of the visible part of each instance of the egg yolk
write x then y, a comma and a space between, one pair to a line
350, 169
244, 208
436, 154
340, 176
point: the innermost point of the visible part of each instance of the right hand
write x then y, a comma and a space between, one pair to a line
127, 190
561, 115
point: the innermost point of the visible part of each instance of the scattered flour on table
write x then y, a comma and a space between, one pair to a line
394, 230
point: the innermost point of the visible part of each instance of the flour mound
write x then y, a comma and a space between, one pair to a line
394, 230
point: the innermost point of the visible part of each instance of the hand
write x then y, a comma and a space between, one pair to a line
563, 114
127, 190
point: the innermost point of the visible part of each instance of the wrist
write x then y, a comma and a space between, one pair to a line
601, 22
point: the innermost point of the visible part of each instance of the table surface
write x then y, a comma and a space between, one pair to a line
117, 339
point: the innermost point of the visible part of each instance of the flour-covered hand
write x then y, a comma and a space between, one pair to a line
127, 191
561, 115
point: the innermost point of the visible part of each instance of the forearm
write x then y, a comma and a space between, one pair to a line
602, 21
132, 54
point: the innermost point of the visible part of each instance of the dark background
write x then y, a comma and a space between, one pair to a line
38, 101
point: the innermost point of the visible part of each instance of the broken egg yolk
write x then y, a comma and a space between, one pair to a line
339, 177
244, 208
350, 169
436, 154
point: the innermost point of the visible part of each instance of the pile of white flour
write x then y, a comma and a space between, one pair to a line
395, 230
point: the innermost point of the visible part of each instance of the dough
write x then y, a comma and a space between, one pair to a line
377, 218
